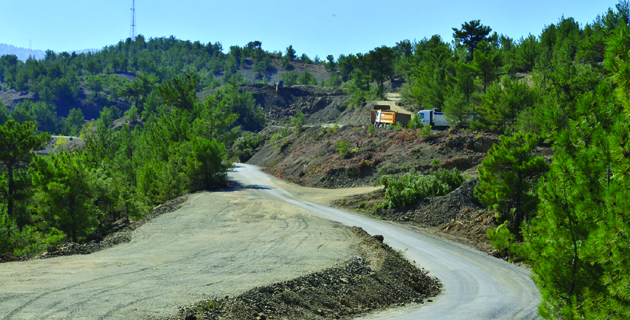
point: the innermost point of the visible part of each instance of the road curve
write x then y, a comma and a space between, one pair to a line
475, 285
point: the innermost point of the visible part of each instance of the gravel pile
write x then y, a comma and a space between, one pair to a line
379, 278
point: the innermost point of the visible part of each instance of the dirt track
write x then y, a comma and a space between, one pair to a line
218, 244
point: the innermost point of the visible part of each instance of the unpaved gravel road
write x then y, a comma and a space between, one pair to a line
218, 244
475, 285
226, 242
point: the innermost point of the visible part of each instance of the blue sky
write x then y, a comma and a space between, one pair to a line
313, 27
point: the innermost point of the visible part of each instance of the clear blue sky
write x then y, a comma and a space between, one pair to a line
313, 27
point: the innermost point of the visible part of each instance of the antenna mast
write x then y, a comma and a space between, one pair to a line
132, 33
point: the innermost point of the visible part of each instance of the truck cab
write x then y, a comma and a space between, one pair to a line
434, 117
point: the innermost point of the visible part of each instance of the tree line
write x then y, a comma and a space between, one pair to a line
567, 216
120, 172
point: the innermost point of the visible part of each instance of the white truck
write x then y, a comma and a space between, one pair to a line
436, 118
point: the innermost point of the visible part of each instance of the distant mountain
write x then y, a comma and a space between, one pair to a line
23, 53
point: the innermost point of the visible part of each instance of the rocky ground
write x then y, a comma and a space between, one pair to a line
319, 105
379, 277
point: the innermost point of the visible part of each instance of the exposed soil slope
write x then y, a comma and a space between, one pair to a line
319, 105
313, 158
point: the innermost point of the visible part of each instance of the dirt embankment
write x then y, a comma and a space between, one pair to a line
353, 156
319, 105
379, 277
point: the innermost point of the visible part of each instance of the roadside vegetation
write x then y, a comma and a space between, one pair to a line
406, 189
567, 216
76, 194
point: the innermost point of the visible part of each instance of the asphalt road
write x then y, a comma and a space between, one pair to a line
476, 286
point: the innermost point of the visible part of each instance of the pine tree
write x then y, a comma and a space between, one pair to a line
575, 198
505, 180
17, 142
68, 191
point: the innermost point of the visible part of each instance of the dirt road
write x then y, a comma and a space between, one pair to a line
475, 285
218, 244
223, 243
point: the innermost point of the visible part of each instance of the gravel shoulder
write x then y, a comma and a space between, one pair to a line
217, 244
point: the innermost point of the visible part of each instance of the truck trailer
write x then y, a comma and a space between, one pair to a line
383, 117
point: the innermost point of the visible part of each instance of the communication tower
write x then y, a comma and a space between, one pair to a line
132, 31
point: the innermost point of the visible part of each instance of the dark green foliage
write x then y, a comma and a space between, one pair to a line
381, 64
4, 113
141, 87
579, 243
471, 33
307, 79
405, 190
206, 167
486, 62
298, 121
457, 109
17, 142
290, 78
180, 93
68, 193
290, 53
504, 101
505, 180
243, 104
245, 146
331, 65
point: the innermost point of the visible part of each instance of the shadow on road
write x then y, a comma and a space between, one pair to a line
237, 186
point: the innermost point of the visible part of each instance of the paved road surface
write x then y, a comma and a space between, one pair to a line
476, 286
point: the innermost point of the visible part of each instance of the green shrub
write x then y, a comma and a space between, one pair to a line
427, 132
415, 123
503, 240
342, 147
27, 242
371, 131
405, 190
285, 132
298, 121
452, 178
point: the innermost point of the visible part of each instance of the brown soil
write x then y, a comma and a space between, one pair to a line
319, 105
313, 158
378, 278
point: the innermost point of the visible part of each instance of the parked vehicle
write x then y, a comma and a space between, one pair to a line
383, 117
436, 118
